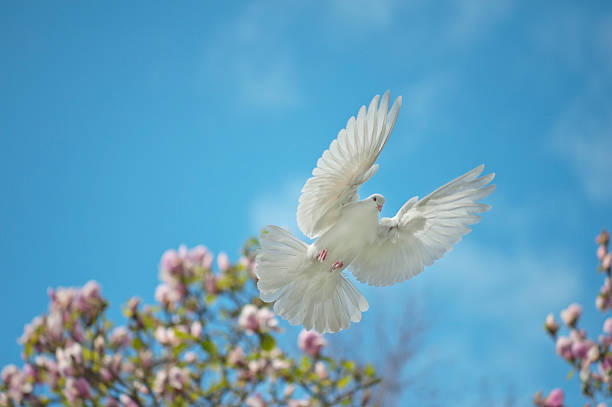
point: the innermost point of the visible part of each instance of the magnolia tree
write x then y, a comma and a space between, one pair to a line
209, 341
590, 357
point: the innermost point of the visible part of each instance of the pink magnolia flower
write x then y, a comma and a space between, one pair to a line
248, 319
601, 252
571, 314
178, 378
196, 329
197, 254
311, 342
580, 349
167, 295
605, 262
223, 262
320, 370
602, 238
256, 401
120, 337
77, 388
551, 325
210, 283
602, 405
127, 401
171, 265
236, 357
267, 320
607, 326
564, 347
555, 398
299, 403
111, 402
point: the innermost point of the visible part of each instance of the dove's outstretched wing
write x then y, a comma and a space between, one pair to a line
422, 231
348, 163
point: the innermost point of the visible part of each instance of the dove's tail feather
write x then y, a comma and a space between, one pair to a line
303, 292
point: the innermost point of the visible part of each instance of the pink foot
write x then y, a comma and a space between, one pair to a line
336, 266
321, 257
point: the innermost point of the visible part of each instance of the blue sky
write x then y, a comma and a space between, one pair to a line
127, 129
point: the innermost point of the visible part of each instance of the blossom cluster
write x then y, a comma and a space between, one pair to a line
208, 341
590, 357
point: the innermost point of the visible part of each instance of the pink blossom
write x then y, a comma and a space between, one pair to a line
178, 378
223, 262
607, 326
77, 389
236, 357
111, 402
564, 347
603, 237
602, 405
207, 262
571, 314
196, 329
580, 349
248, 319
210, 283
30, 329
197, 254
605, 262
601, 252
133, 304
255, 401
160, 382
167, 295
119, 337
8, 372
166, 336
555, 398
171, 265
600, 302
127, 401
320, 370
267, 320
551, 325
311, 342
54, 324
146, 359
299, 403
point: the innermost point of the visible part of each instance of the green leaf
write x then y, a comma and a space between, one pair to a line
267, 342
137, 343
209, 346
570, 374
369, 370
349, 365
343, 382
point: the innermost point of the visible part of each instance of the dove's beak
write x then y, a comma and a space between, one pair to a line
379, 208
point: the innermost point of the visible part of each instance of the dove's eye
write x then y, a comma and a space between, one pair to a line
374, 199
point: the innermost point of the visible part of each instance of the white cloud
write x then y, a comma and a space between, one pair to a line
583, 137
277, 207
370, 13
473, 18
251, 56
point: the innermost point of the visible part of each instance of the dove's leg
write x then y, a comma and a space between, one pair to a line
321, 256
336, 266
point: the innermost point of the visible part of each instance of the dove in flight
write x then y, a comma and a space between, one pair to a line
306, 282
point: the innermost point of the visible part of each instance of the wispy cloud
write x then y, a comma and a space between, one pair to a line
377, 14
473, 18
277, 206
583, 137
250, 55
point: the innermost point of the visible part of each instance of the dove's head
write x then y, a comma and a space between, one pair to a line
378, 200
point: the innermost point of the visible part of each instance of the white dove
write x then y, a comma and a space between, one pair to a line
306, 282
